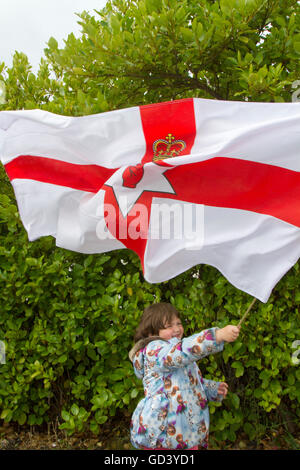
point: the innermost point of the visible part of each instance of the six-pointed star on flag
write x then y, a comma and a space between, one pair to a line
153, 180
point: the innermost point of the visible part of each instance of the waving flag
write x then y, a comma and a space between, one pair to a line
180, 183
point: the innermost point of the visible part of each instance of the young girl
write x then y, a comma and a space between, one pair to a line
174, 413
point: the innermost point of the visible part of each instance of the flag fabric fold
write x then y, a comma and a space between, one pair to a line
181, 183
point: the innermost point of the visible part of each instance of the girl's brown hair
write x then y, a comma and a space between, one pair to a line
155, 318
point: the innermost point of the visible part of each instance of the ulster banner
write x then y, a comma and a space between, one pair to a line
180, 183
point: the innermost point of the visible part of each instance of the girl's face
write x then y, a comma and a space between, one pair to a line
172, 329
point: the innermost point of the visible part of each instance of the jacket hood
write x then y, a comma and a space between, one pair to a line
138, 359
141, 344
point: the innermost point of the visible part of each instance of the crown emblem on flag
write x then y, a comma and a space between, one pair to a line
167, 148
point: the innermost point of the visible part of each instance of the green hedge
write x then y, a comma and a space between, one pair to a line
67, 321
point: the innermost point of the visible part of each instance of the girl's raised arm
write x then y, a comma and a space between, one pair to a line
178, 353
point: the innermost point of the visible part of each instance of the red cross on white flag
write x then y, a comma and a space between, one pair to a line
180, 183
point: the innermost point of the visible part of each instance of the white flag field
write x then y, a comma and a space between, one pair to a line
181, 183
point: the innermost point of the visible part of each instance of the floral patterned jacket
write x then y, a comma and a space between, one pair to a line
174, 412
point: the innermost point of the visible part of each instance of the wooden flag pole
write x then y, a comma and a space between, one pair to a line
246, 313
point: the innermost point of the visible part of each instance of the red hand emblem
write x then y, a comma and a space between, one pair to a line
132, 175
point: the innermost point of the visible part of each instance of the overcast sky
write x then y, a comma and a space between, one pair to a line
27, 25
